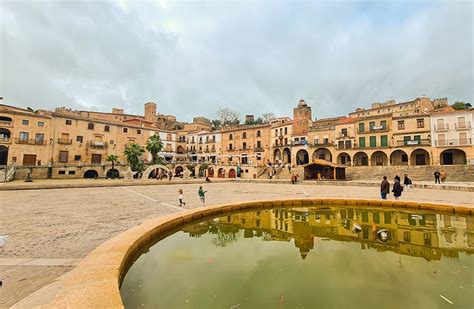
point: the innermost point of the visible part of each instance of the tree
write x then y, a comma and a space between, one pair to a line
268, 117
112, 158
461, 105
216, 123
134, 153
227, 116
154, 146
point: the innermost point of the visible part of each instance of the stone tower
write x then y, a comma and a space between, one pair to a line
301, 118
150, 112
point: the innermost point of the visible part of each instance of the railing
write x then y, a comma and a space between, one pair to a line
441, 127
340, 147
323, 144
64, 141
453, 142
98, 144
5, 140
416, 142
344, 136
462, 125
373, 129
258, 149
30, 142
4, 123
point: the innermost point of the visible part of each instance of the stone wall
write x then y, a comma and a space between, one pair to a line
416, 173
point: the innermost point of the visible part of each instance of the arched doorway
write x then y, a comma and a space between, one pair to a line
344, 159
221, 173
286, 156
232, 173
452, 157
155, 168
178, 171
399, 158
210, 172
112, 173
91, 174
322, 154
420, 157
302, 157
277, 155
3, 155
379, 158
361, 159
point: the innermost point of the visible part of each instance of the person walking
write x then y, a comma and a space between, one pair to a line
170, 175
181, 198
397, 189
293, 179
437, 174
384, 188
407, 182
289, 168
398, 178
202, 195
442, 175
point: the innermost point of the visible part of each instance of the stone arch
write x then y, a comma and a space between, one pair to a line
452, 157
420, 156
151, 168
221, 173
210, 172
286, 156
112, 173
344, 159
91, 174
360, 159
322, 154
302, 157
5, 134
178, 171
277, 155
3, 155
399, 158
232, 173
180, 149
5, 119
379, 158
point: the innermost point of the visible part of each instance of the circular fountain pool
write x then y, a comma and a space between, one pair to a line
309, 257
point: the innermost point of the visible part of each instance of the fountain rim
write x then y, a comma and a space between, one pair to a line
95, 282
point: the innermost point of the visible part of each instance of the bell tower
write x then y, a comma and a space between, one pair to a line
301, 118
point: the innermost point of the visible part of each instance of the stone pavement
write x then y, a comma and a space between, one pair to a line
50, 230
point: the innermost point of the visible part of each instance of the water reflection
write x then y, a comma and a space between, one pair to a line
427, 235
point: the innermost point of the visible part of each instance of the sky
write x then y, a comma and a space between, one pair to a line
194, 57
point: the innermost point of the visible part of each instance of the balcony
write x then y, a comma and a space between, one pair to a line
321, 144
416, 142
98, 144
441, 127
30, 142
258, 149
64, 141
344, 136
374, 129
453, 142
4, 123
462, 125
5, 140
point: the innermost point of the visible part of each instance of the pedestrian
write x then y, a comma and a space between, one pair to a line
398, 178
437, 174
443, 176
289, 168
293, 179
270, 175
207, 179
407, 182
397, 189
202, 195
170, 175
384, 188
181, 198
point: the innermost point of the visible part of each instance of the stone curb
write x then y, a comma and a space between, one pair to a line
94, 283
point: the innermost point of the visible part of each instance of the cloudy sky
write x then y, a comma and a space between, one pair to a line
194, 57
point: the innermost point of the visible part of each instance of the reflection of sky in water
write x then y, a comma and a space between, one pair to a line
183, 271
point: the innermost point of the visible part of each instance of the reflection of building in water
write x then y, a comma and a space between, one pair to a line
455, 232
421, 235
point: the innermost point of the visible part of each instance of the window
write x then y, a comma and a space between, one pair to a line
169, 137
362, 142
361, 127
383, 124
244, 145
259, 144
125, 130
230, 136
406, 236
77, 158
61, 172
139, 131
214, 138
107, 129
427, 238
90, 126
24, 136
384, 141
344, 132
244, 135
276, 132
96, 159
376, 217
230, 146
373, 141
79, 138
401, 125
63, 155
325, 141
71, 172
40, 124
25, 122
371, 125
286, 130
258, 133
68, 122
39, 139
420, 123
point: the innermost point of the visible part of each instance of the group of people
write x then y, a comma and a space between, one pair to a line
440, 177
397, 186
201, 194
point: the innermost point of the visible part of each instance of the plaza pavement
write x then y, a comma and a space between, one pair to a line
51, 230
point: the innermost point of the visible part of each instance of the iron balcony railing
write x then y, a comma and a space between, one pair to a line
373, 129
30, 141
344, 136
340, 147
453, 142
64, 141
98, 144
4, 123
441, 127
462, 125
416, 142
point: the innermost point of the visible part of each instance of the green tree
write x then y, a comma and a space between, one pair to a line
114, 159
134, 153
461, 105
154, 145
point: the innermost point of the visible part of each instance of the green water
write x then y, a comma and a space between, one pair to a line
309, 257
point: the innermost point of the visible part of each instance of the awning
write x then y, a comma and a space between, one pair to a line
324, 163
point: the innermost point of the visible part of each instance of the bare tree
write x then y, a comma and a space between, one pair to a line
227, 116
268, 117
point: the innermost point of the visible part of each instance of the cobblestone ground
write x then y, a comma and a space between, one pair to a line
49, 231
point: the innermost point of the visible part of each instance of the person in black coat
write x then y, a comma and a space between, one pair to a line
384, 188
407, 182
397, 189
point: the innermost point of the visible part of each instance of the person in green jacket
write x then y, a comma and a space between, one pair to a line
202, 195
